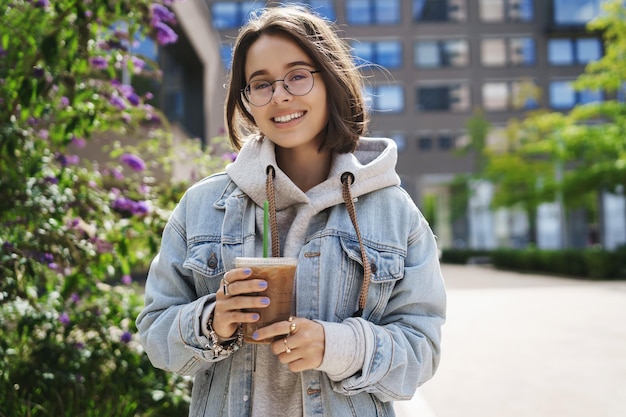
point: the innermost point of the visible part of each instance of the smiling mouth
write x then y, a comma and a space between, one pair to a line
288, 117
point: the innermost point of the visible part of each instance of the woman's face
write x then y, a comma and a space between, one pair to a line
289, 121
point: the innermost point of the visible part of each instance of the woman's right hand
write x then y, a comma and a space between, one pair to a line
232, 297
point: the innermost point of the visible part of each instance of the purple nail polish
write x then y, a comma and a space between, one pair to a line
263, 284
255, 316
265, 300
247, 271
255, 335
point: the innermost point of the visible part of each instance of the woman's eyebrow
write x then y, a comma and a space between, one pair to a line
289, 65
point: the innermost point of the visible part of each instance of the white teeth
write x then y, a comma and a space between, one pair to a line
288, 117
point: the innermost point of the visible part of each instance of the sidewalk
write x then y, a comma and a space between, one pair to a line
520, 345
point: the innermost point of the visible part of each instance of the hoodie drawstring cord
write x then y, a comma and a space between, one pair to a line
271, 197
347, 178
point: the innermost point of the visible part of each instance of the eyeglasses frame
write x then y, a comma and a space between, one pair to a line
247, 87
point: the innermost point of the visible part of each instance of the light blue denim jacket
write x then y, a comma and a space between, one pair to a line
399, 332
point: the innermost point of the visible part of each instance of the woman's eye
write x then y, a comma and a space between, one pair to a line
260, 85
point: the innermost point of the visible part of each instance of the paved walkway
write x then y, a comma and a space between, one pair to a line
520, 345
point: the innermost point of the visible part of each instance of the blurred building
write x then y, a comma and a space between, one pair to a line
444, 60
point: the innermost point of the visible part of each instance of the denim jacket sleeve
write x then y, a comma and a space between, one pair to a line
169, 324
402, 350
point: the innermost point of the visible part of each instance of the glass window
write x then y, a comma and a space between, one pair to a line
385, 53
509, 95
450, 97
522, 51
575, 12
441, 53
588, 49
230, 15
373, 12
589, 96
324, 8
445, 142
560, 52
424, 143
506, 10
493, 52
567, 51
439, 10
500, 52
385, 98
562, 95
495, 96
400, 139
226, 52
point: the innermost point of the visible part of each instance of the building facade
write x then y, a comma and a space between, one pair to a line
431, 65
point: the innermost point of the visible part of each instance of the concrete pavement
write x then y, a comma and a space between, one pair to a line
522, 345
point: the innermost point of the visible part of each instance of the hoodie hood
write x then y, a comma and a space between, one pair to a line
372, 164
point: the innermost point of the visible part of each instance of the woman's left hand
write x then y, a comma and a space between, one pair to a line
302, 346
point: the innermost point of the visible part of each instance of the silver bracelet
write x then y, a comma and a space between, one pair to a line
223, 347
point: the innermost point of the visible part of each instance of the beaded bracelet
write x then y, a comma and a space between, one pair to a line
223, 347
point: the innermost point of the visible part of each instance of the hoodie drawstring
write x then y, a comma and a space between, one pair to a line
271, 197
347, 178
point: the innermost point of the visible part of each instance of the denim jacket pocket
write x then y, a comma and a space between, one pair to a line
204, 258
387, 268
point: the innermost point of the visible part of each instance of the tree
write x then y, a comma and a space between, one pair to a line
587, 143
72, 232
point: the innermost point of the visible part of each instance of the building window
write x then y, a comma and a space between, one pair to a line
563, 96
439, 10
373, 12
424, 143
566, 51
446, 97
506, 10
324, 8
231, 15
400, 139
226, 53
445, 142
502, 52
441, 53
385, 98
509, 95
385, 53
576, 12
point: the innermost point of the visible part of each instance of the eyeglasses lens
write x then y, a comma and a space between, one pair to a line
298, 82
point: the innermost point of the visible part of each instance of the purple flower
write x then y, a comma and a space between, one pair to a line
75, 297
78, 142
138, 64
161, 13
118, 102
42, 3
127, 279
44, 134
51, 180
99, 62
230, 156
65, 102
38, 72
126, 337
164, 33
133, 161
3, 51
64, 318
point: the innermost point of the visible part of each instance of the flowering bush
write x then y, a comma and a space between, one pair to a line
73, 232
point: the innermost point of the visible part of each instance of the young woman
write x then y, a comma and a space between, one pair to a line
369, 299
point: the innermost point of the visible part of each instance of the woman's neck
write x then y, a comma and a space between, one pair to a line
305, 168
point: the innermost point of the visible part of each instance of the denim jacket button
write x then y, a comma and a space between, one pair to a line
212, 262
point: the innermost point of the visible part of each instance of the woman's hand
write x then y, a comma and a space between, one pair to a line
234, 296
302, 347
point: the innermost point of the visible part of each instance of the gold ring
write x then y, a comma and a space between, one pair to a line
287, 348
293, 327
225, 286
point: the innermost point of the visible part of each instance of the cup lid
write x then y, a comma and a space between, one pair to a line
242, 261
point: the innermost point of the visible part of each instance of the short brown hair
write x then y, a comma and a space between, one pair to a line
319, 40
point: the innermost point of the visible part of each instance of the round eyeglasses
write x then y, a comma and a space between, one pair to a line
298, 82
